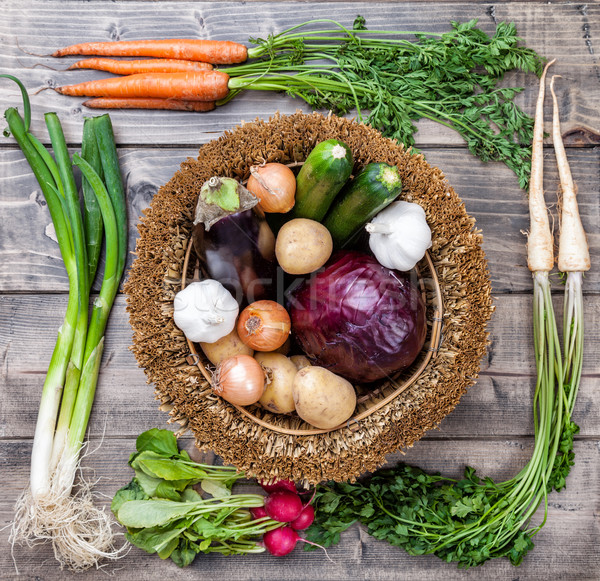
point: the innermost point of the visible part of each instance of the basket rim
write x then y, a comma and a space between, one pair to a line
430, 347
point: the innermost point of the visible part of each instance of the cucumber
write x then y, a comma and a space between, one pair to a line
372, 189
324, 173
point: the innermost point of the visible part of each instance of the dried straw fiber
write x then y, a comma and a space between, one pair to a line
161, 349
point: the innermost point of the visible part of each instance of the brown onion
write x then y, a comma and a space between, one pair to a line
239, 380
264, 325
274, 184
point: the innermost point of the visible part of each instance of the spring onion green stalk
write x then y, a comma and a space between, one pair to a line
94, 346
93, 233
92, 217
55, 378
81, 534
73, 213
114, 184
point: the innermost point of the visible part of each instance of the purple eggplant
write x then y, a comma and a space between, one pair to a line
359, 319
238, 252
234, 245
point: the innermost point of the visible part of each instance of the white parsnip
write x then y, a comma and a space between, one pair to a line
573, 251
574, 260
540, 255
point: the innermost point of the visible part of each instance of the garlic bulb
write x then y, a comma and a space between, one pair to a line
205, 311
399, 235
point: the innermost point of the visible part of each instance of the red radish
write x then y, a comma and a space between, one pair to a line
278, 485
283, 505
258, 512
304, 519
281, 541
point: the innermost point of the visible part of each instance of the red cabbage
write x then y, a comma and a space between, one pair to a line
359, 319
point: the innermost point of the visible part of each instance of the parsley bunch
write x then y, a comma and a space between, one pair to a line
466, 521
451, 78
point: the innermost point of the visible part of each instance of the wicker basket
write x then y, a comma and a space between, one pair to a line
453, 278
369, 401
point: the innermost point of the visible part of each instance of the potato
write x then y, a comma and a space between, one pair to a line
280, 372
301, 361
322, 398
225, 347
303, 246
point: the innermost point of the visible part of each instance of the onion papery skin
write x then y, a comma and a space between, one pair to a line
240, 380
264, 325
274, 184
359, 319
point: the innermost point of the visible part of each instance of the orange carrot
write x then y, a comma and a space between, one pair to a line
194, 86
145, 103
222, 52
122, 67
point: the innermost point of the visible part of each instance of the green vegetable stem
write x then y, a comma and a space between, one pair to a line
47, 508
164, 513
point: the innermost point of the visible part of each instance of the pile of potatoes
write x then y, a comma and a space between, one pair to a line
321, 398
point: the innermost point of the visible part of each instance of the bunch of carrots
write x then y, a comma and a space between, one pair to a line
451, 78
181, 78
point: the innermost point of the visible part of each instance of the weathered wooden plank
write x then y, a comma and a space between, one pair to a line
566, 545
566, 31
499, 405
490, 429
30, 260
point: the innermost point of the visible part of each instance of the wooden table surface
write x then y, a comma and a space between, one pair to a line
492, 427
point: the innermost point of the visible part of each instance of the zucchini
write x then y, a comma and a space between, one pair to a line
373, 188
324, 173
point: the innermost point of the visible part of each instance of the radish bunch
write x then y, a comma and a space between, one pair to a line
284, 504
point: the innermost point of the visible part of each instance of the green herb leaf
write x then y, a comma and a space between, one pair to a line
170, 489
132, 491
149, 484
152, 513
167, 549
155, 465
184, 554
161, 442
190, 495
215, 488
153, 539
450, 78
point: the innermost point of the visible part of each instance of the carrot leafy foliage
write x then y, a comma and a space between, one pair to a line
451, 78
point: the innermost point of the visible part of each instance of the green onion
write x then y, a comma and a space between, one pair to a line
75, 220
92, 217
81, 534
113, 271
